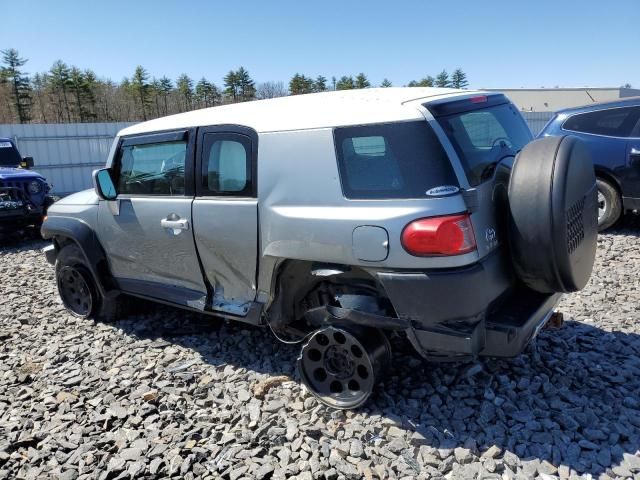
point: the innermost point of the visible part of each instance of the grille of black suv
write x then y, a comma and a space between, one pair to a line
575, 225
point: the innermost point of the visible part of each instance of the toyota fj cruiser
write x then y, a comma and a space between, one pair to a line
338, 219
24, 195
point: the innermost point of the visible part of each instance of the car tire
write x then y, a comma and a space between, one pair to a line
609, 205
78, 289
552, 217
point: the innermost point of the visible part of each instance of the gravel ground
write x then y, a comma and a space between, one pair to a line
165, 393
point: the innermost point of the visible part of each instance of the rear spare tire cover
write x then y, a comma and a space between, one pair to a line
553, 214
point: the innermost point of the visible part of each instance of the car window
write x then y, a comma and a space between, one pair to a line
613, 122
226, 167
635, 133
152, 169
484, 136
483, 128
9, 156
394, 160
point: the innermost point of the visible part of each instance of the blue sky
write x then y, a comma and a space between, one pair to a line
498, 43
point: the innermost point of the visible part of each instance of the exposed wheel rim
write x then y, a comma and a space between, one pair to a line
75, 291
338, 369
602, 206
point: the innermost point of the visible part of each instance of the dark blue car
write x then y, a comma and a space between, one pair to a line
612, 131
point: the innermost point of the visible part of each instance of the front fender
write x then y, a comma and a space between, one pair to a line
62, 229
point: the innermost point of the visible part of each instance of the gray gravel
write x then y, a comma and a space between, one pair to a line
164, 393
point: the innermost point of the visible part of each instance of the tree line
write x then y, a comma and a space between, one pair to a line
66, 93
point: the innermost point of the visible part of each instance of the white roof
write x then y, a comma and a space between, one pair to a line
314, 110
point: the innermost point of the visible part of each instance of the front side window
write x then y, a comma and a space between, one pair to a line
226, 165
613, 122
484, 136
393, 160
153, 169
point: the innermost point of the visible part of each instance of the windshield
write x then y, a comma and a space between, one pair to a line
483, 137
9, 156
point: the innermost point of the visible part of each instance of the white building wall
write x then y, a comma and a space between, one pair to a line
554, 99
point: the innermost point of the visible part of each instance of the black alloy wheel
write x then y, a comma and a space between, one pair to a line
74, 286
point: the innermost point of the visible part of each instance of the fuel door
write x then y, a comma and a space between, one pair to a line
370, 243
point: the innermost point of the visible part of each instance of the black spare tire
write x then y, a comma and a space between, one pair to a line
553, 214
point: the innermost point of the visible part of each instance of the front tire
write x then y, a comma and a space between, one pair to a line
78, 290
609, 205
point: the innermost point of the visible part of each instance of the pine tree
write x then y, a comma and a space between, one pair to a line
427, 81
459, 79
20, 86
386, 83
362, 81
231, 82
77, 88
246, 84
59, 74
141, 89
206, 93
165, 88
184, 84
442, 80
320, 84
300, 84
345, 83
91, 85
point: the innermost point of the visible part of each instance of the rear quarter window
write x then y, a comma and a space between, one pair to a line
391, 160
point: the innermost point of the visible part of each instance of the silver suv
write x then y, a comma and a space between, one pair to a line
339, 220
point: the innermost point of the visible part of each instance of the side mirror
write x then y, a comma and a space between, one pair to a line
103, 184
27, 163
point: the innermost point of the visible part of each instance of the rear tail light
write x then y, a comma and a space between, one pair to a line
450, 235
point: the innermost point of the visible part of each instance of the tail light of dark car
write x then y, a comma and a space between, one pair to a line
439, 236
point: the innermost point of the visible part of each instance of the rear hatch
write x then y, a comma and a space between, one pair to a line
486, 132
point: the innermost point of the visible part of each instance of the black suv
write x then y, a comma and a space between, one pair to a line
24, 195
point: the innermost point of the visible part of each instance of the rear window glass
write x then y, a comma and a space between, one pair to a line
485, 136
614, 122
392, 160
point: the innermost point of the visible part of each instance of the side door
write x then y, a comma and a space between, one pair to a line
225, 215
633, 161
606, 132
147, 231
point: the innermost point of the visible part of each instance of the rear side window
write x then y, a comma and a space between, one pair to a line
226, 164
614, 122
152, 169
393, 160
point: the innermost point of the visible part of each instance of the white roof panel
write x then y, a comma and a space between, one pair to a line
298, 112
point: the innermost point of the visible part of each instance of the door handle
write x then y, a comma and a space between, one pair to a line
182, 224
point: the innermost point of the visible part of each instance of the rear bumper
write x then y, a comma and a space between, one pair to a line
479, 310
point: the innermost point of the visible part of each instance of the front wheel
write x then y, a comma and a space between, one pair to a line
78, 290
609, 205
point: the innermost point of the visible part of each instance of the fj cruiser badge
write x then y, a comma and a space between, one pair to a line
442, 191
